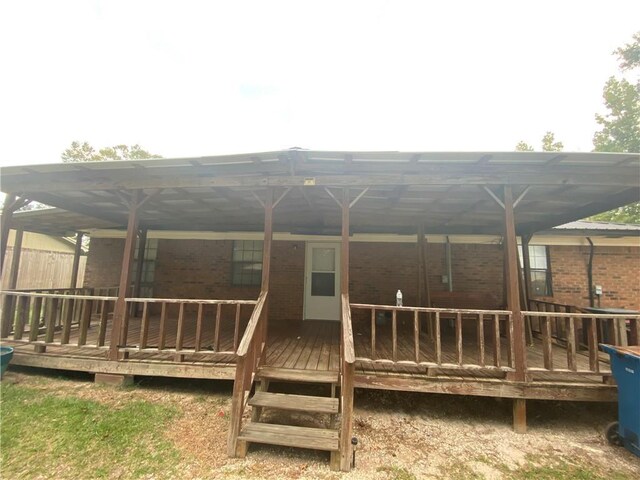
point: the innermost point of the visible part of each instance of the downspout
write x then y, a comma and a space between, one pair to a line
590, 273
448, 256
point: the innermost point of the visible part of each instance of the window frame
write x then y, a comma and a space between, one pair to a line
254, 254
548, 281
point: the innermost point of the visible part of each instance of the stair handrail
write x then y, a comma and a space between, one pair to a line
248, 358
347, 370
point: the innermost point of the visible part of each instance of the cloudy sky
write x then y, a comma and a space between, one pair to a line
187, 78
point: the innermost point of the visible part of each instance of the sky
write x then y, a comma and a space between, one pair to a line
189, 78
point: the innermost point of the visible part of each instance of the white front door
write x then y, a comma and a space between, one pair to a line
322, 282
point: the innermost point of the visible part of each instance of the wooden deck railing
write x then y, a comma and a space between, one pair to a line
176, 318
54, 318
422, 328
591, 326
249, 357
347, 371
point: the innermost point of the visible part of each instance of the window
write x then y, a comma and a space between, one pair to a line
148, 266
540, 271
246, 263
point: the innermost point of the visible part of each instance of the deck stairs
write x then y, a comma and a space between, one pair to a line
268, 404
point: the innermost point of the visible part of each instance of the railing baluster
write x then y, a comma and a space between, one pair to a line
459, 338
66, 315
144, 324
481, 339
416, 336
21, 317
236, 328
216, 334
592, 341
162, 335
180, 332
34, 324
104, 317
510, 339
8, 315
438, 340
50, 319
85, 320
125, 327
547, 346
571, 344
373, 334
199, 327
497, 344
394, 335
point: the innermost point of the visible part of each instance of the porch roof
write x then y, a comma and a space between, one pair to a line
447, 192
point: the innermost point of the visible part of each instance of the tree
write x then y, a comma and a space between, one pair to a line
548, 144
621, 124
629, 55
523, 146
83, 152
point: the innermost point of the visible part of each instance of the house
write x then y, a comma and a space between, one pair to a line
286, 266
45, 261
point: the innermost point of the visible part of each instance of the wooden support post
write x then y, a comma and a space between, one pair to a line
76, 260
5, 226
344, 253
268, 240
15, 260
526, 264
125, 277
266, 266
142, 244
114, 379
513, 304
520, 415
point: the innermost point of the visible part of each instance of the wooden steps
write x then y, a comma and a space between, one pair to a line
287, 432
300, 403
297, 376
291, 436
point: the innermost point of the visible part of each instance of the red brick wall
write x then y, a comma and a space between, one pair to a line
617, 269
202, 269
104, 262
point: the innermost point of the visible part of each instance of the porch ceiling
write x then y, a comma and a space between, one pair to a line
444, 191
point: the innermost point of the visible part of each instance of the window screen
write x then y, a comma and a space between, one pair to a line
246, 263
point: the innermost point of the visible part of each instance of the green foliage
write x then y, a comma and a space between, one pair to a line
548, 144
626, 214
621, 124
83, 152
523, 146
48, 436
629, 55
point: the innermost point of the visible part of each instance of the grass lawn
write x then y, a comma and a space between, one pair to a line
55, 426
45, 434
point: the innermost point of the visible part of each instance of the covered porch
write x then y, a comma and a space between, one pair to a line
506, 350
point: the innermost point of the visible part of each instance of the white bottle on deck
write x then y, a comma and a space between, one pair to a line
399, 299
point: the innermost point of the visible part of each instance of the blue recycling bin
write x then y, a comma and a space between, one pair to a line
625, 365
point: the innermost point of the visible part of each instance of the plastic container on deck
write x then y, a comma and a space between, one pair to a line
625, 365
6, 354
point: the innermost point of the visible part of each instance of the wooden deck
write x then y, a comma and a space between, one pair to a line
315, 346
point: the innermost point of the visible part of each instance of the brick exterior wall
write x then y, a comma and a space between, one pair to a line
617, 269
104, 261
202, 269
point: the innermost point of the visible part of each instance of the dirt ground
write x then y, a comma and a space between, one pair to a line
401, 436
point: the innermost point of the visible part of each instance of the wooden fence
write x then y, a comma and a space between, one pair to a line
43, 269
